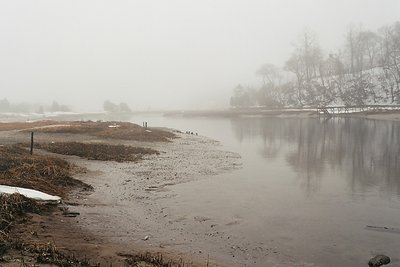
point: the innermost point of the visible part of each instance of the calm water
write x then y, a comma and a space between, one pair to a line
308, 188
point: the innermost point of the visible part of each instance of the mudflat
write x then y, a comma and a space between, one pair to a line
120, 219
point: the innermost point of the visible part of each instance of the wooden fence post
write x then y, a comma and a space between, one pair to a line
31, 143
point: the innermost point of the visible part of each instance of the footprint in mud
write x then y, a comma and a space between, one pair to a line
152, 188
126, 182
201, 218
158, 188
179, 219
235, 222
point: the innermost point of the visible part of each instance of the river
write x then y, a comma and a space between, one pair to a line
318, 191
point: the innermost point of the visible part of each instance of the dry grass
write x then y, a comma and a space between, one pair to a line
13, 209
150, 260
51, 175
44, 173
12, 206
49, 254
118, 130
105, 152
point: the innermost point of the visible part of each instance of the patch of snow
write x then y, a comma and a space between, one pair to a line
29, 193
114, 126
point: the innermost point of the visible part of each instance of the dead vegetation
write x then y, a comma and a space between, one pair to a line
149, 259
51, 175
11, 207
48, 174
49, 254
106, 130
106, 152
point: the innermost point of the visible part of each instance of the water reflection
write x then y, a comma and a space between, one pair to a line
365, 152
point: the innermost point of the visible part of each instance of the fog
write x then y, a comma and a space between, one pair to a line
177, 54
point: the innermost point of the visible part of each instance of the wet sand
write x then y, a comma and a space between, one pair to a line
133, 205
127, 207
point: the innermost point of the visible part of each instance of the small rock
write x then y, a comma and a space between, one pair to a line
379, 260
146, 238
34, 233
70, 214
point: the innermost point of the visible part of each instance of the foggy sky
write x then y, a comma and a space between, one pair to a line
173, 54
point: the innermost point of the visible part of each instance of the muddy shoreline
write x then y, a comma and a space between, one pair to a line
295, 113
127, 207
124, 214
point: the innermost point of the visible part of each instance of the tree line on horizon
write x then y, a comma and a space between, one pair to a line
8, 107
111, 107
365, 70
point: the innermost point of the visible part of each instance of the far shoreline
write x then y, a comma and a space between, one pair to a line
282, 113
393, 115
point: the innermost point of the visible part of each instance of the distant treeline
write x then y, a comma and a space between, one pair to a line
116, 108
366, 70
7, 107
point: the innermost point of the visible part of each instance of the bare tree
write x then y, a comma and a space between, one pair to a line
391, 58
366, 70
269, 73
306, 64
351, 47
243, 97
370, 46
310, 52
295, 65
270, 93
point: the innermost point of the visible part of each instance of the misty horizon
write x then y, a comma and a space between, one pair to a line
158, 55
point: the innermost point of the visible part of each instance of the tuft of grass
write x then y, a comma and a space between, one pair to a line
149, 259
49, 254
